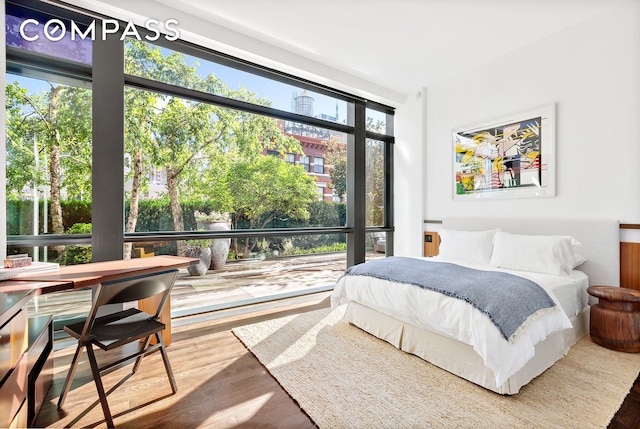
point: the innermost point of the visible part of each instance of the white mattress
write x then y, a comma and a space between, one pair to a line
455, 319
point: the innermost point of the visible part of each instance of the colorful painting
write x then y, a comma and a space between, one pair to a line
510, 157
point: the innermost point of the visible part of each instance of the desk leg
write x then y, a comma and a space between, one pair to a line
149, 305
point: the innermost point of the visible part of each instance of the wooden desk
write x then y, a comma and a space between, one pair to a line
8, 287
20, 363
86, 275
25, 369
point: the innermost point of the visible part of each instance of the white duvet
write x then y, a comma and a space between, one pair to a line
459, 320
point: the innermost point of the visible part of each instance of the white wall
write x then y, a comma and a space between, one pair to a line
409, 179
592, 73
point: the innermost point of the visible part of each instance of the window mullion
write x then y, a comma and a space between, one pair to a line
356, 186
108, 150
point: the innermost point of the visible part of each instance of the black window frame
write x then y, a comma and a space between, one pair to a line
108, 81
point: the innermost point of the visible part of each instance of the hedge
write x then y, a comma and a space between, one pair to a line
155, 215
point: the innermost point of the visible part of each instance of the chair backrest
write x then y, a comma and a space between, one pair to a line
136, 288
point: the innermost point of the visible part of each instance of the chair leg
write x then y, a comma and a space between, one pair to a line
145, 344
70, 375
98, 380
167, 365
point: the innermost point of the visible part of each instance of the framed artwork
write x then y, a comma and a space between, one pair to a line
512, 157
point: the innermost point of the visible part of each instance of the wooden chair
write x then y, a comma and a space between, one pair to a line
120, 328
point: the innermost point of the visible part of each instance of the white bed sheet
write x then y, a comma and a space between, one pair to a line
458, 320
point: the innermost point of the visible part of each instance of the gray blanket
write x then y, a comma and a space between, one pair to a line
507, 300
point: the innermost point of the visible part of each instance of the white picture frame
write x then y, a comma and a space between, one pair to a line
510, 157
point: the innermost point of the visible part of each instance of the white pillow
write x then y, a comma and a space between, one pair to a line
549, 254
468, 246
578, 259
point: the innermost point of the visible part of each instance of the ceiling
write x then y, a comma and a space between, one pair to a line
401, 44
394, 46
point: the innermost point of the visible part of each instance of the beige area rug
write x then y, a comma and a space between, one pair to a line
343, 377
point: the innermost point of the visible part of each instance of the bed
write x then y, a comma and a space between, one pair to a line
464, 338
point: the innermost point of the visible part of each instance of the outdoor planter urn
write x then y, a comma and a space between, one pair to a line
204, 255
219, 246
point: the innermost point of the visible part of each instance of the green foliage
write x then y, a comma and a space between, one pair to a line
21, 171
60, 118
327, 213
49, 144
267, 187
20, 215
79, 228
154, 215
76, 212
212, 157
73, 123
194, 143
335, 247
375, 182
199, 243
73, 255
336, 156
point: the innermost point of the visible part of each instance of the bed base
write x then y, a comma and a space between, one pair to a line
459, 358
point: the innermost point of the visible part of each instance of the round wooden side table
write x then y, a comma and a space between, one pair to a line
615, 320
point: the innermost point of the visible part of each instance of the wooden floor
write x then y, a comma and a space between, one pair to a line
220, 385
628, 416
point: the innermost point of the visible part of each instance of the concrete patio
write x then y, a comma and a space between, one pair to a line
247, 281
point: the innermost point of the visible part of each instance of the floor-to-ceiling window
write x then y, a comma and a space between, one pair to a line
215, 153
49, 127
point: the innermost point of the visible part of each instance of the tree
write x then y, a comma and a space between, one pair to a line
336, 156
268, 187
192, 141
21, 141
170, 131
56, 124
138, 107
375, 174
374, 182
195, 144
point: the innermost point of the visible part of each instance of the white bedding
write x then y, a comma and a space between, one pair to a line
458, 320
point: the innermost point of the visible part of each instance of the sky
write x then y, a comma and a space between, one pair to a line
279, 93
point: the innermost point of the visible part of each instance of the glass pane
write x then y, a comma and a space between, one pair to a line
67, 306
376, 245
165, 65
48, 150
254, 268
187, 162
376, 121
63, 255
325, 158
375, 182
57, 37
273, 266
63, 306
